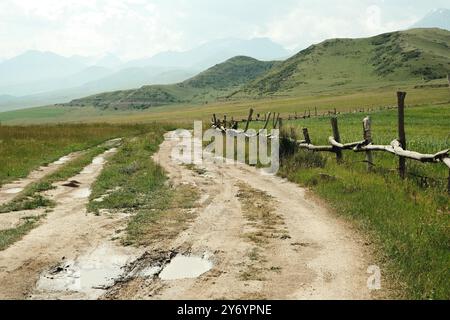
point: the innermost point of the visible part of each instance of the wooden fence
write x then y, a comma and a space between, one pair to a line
396, 147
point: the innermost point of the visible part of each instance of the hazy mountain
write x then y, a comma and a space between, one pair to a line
121, 80
88, 74
212, 84
416, 54
109, 61
215, 52
136, 77
36, 78
35, 66
438, 18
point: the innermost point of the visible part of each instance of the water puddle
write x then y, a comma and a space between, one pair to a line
62, 160
98, 160
13, 190
186, 267
82, 193
89, 275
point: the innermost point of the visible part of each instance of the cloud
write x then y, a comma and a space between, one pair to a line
311, 22
129, 28
136, 28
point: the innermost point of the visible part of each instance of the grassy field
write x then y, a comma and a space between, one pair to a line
24, 148
408, 220
343, 101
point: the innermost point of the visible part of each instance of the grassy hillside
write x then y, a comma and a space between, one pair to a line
343, 64
339, 65
212, 84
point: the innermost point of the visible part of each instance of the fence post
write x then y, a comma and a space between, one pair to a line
275, 120
250, 114
337, 137
367, 134
214, 119
401, 132
267, 120
224, 120
306, 135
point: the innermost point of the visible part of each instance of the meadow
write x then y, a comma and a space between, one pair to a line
343, 100
25, 148
407, 219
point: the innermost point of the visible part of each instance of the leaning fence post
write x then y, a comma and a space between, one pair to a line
337, 137
401, 132
306, 135
250, 113
267, 120
367, 134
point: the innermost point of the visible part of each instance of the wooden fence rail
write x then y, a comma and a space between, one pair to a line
397, 147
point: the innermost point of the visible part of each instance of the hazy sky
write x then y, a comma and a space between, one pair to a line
137, 28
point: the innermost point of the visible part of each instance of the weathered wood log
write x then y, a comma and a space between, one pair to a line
346, 146
316, 148
395, 148
446, 161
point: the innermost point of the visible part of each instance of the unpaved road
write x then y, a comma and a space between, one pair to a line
309, 253
264, 237
66, 232
10, 190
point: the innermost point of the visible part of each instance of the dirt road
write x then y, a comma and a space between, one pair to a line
254, 237
265, 237
63, 234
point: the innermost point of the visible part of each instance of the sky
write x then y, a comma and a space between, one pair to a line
141, 28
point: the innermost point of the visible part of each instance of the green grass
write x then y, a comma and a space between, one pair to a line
132, 182
407, 219
31, 197
10, 236
25, 148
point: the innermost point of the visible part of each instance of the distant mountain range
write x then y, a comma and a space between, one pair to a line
336, 64
35, 78
438, 18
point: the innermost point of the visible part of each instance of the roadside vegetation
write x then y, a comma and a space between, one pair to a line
31, 197
12, 235
25, 148
408, 220
132, 183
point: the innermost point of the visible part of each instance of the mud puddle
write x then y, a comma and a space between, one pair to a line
186, 267
88, 276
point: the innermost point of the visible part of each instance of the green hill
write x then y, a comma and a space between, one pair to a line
414, 56
211, 85
417, 54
